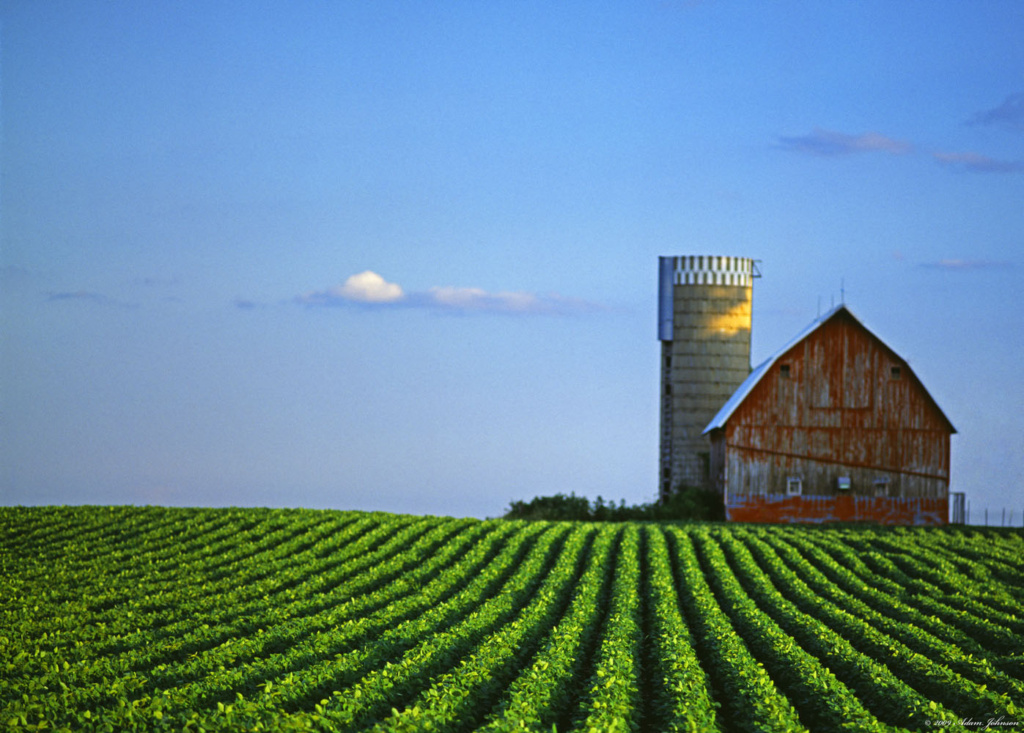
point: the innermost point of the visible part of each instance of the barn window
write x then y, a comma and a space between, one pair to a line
794, 486
843, 483
881, 485
784, 371
894, 372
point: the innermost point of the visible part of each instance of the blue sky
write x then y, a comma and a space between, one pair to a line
403, 256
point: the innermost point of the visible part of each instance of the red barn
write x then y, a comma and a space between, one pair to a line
834, 427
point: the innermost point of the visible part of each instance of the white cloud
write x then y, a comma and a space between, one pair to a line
957, 265
828, 143
476, 299
370, 289
977, 163
366, 287
85, 296
1010, 113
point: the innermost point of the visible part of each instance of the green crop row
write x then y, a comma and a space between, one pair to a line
543, 693
924, 634
946, 690
822, 701
464, 695
117, 618
683, 700
612, 698
749, 696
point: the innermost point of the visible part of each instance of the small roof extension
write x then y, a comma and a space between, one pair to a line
723, 415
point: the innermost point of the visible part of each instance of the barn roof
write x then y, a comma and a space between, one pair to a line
723, 415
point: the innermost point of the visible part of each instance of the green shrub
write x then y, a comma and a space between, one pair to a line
686, 504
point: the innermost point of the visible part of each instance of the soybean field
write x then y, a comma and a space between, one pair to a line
121, 618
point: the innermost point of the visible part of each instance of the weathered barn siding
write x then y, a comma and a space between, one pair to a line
761, 472
835, 404
819, 509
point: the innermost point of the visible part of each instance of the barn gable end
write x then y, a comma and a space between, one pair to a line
834, 426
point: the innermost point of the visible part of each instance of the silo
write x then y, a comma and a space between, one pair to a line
704, 317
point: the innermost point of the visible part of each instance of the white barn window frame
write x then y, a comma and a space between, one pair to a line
794, 486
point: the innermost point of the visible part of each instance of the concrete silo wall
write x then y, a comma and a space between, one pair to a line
706, 359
